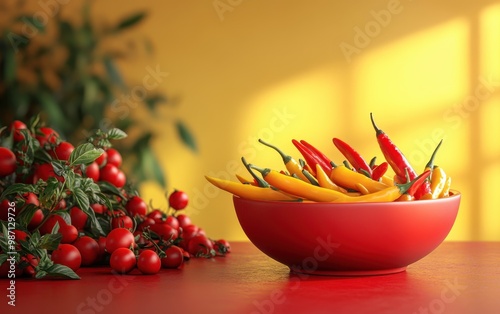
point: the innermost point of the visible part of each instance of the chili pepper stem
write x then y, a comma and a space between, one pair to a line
430, 164
377, 130
259, 180
412, 186
286, 158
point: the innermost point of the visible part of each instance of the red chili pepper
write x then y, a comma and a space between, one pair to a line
311, 158
317, 152
393, 155
379, 171
416, 183
352, 156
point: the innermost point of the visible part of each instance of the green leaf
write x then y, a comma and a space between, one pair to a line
113, 73
150, 166
58, 271
17, 188
186, 136
24, 217
129, 21
153, 100
83, 202
81, 199
9, 66
84, 154
3, 258
116, 134
50, 241
59, 167
109, 188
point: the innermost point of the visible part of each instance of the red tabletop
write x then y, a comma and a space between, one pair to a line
458, 277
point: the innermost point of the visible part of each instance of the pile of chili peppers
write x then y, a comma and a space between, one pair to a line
317, 178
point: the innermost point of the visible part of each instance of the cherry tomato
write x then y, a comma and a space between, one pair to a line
78, 217
147, 222
173, 258
101, 160
165, 231
149, 262
114, 157
8, 162
32, 261
102, 249
136, 206
89, 249
119, 238
46, 135
173, 222
200, 245
189, 232
5, 270
49, 224
111, 174
62, 151
68, 255
122, 222
44, 172
156, 214
122, 260
14, 127
222, 246
61, 205
183, 220
69, 233
178, 200
98, 208
92, 171
36, 219
120, 179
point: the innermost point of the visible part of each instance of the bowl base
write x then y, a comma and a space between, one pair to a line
350, 273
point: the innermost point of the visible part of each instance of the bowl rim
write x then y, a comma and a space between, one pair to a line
454, 194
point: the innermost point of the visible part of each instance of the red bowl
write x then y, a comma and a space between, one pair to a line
347, 239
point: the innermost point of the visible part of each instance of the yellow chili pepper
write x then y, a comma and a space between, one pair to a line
291, 164
324, 180
387, 180
245, 180
294, 186
438, 181
362, 189
389, 194
347, 178
249, 191
446, 190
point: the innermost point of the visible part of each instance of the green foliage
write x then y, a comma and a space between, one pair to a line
72, 79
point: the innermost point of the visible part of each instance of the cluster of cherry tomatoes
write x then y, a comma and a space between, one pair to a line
134, 235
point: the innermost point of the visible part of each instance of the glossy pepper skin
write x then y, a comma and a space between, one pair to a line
426, 187
388, 194
396, 159
291, 164
294, 186
311, 157
249, 191
324, 161
350, 179
354, 158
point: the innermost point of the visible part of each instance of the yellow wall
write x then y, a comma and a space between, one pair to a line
276, 69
